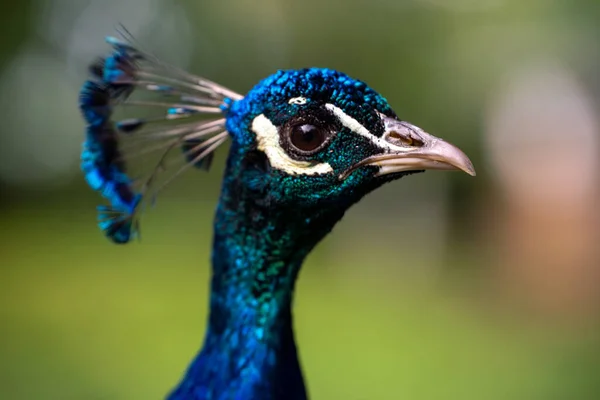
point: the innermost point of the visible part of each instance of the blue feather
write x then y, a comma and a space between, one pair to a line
119, 224
105, 156
302, 151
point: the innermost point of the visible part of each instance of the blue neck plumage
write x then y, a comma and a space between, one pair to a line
249, 350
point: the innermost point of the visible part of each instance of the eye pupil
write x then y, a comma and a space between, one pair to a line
307, 137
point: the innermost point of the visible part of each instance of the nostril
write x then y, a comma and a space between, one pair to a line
395, 135
417, 142
403, 139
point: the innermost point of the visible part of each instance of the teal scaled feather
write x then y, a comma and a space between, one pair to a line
305, 145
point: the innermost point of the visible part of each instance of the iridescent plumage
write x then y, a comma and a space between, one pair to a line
305, 145
183, 98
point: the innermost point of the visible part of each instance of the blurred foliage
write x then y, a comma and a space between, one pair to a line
101, 322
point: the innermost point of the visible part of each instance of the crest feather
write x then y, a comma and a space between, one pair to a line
173, 121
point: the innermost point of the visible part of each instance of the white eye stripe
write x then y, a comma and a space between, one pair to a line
354, 125
357, 128
267, 137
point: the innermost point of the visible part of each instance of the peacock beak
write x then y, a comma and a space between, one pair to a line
408, 148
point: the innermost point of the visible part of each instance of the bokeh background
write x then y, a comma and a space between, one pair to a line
439, 286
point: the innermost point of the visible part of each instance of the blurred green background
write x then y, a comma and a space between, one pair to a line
439, 286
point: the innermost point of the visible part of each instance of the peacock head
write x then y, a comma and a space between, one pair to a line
302, 140
315, 136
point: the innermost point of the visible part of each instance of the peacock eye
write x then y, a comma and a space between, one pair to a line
307, 137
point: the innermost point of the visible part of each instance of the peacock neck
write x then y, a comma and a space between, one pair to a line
249, 350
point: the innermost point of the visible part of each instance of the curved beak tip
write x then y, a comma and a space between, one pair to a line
462, 164
453, 156
470, 170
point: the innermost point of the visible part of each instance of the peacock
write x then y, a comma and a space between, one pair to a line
305, 145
